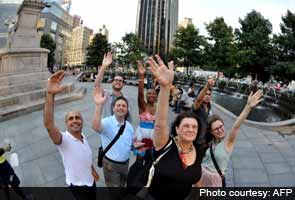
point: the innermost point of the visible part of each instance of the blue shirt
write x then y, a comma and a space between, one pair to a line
120, 151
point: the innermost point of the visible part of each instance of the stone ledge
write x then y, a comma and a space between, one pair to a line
15, 111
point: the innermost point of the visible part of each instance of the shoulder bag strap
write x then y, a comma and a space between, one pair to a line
120, 132
215, 163
152, 169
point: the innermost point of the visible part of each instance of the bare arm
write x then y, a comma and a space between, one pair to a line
53, 87
199, 100
140, 97
107, 60
94, 173
165, 78
253, 100
99, 99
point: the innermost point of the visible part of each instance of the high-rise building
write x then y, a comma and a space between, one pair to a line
80, 41
77, 21
156, 25
185, 22
58, 23
104, 31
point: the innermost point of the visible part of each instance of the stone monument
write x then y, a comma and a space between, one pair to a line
23, 66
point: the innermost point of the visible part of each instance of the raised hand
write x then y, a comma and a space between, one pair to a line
210, 82
98, 96
53, 85
107, 59
254, 99
140, 69
159, 70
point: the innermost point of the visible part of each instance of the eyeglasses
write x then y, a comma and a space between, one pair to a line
118, 80
217, 128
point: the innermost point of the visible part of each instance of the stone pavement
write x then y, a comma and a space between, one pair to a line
260, 158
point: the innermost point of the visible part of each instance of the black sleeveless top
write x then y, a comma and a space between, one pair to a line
171, 179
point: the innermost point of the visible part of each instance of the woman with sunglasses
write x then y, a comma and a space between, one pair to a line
222, 144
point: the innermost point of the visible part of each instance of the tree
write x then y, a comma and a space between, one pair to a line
285, 46
255, 52
96, 50
221, 48
188, 47
129, 50
48, 43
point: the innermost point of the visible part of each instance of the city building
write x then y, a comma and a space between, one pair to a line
80, 42
77, 21
185, 22
8, 13
104, 31
156, 25
58, 23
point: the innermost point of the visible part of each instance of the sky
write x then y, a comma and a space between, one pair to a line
119, 16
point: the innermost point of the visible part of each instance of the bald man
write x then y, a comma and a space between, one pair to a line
72, 144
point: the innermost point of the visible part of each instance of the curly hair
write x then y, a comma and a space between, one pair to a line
179, 119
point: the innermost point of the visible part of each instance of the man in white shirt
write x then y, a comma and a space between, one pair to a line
72, 144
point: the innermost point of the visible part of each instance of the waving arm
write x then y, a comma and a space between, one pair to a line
53, 87
140, 97
107, 60
252, 101
165, 78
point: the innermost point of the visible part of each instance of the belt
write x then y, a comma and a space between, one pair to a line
117, 162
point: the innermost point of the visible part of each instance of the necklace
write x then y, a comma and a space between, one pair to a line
181, 153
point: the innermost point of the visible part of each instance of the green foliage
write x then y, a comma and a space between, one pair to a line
129, 50
48, 43
283, 71
256, 52
189, 47
285, 42
96, 50
221, 50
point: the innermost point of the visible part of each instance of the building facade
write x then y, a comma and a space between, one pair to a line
58, 23
80, 41
156, 25
104, 31
186, 22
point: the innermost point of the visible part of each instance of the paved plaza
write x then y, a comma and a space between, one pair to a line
260, 157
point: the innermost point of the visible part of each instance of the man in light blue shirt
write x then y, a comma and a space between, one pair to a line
115, 162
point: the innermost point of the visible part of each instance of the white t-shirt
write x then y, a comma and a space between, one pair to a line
77, 160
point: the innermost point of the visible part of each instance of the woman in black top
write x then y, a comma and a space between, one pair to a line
180, 168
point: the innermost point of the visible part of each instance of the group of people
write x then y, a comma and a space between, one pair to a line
197, 140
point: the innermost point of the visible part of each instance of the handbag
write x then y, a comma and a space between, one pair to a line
217, 167
141, 174
101, 152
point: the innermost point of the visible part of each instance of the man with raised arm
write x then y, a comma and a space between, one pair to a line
116, 160
72, 144
117, 86
202, 108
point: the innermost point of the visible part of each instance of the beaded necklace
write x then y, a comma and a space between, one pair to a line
181, 153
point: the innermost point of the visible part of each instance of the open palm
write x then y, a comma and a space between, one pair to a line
254, 99
98, 96
107, 59
160, 71
54, 83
